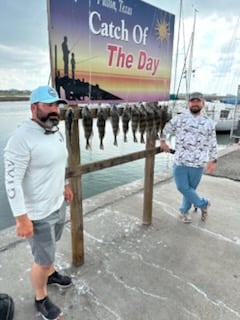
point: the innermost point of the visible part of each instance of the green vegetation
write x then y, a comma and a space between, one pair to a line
14, 95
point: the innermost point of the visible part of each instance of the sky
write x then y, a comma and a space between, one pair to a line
25, 59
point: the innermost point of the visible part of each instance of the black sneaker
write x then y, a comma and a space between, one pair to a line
48, 310
59, 280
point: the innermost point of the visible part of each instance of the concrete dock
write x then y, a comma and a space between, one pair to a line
165, 271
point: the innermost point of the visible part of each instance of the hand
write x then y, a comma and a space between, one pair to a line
24, 226
68, 194
164, 147
210, 167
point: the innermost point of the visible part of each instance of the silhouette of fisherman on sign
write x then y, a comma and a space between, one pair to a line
73, 63
65, 55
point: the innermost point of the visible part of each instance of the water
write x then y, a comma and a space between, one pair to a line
12, 113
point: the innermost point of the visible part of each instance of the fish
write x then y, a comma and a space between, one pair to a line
101, 123
165, 117
126, 117
150, 119
87, 120
142, 122
114, 115
69, 116
135, 121
157, 118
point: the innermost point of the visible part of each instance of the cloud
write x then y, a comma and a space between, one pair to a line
215, 53
24, 23
221, 8
24, 52
23, 68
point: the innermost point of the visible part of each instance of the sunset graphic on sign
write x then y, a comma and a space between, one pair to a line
101, 52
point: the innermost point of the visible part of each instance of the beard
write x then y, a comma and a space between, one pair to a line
49, 120
195, 110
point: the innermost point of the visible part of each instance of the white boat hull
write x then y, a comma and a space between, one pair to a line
225, 125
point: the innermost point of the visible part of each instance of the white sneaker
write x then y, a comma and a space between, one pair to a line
186, 217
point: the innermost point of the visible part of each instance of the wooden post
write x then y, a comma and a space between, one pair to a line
148, 180
76, 185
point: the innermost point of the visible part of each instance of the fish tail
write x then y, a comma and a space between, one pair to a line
88, 146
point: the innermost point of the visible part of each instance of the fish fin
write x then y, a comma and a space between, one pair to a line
88, 146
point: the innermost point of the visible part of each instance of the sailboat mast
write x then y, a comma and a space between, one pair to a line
177, 50
189, 71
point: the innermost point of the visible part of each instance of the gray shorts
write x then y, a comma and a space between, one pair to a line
46, 232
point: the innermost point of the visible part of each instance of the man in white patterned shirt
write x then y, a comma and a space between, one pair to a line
195, 149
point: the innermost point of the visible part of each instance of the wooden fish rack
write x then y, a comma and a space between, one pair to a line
75, 171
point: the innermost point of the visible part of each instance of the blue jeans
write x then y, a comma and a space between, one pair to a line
187, 180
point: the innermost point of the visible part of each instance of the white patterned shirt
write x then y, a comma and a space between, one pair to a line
196, 142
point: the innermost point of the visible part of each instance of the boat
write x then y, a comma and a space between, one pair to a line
222, 112
225, 112
223, 115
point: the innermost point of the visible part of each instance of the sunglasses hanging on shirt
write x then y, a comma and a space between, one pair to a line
51, 131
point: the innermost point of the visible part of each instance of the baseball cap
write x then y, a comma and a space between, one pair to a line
196, 95
45, 94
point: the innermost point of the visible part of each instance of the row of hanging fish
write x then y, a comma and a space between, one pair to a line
149, 118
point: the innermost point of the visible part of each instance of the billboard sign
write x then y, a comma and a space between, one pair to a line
110, 50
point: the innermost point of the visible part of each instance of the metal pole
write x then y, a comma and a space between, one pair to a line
177, 51
189, 73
